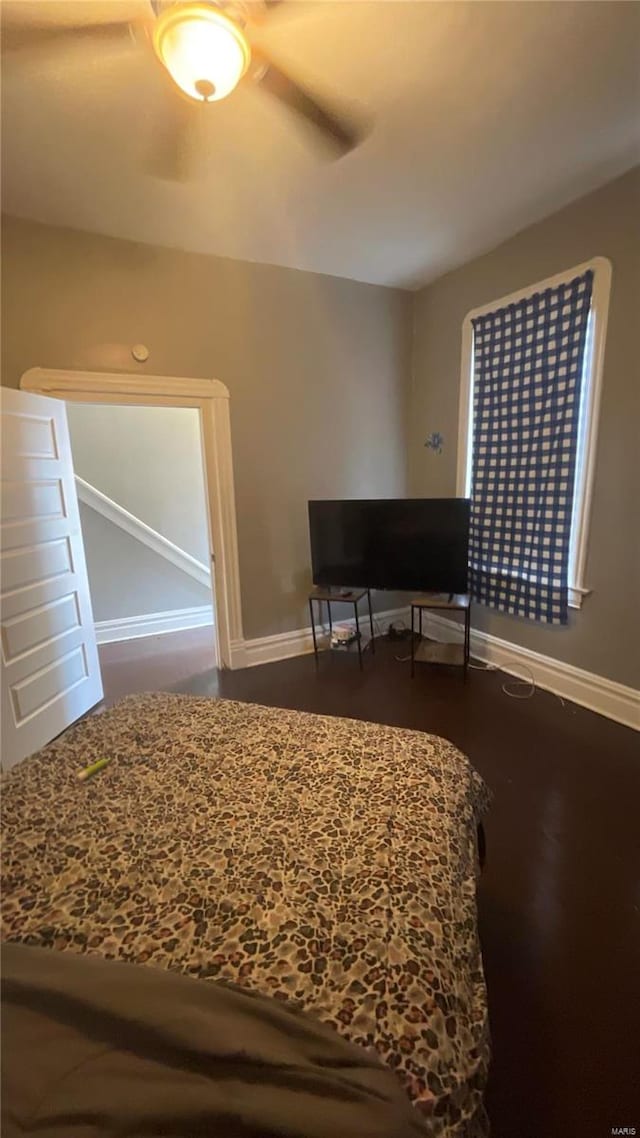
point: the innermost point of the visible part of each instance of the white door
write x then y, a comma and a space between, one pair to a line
50, 668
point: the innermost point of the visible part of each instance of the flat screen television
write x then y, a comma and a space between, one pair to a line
409, 544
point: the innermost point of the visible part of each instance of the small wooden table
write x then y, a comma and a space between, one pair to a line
450, 602
343, 597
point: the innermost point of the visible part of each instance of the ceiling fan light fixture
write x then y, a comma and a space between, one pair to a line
205, 53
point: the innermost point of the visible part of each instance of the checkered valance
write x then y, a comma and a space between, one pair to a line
528, 359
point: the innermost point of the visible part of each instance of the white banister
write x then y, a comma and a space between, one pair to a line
143, 533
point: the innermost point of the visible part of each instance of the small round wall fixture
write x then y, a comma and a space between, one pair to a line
140, 352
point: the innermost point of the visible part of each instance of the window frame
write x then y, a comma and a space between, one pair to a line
589, 407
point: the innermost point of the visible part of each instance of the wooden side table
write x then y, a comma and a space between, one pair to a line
449, 602
348, 597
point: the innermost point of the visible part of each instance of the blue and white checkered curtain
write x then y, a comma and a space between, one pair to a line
528, 360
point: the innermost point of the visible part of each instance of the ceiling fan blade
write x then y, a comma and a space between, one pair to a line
261, 11
343, 135
28, 38
175, 147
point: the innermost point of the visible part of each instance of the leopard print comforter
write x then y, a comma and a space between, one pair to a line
323, 861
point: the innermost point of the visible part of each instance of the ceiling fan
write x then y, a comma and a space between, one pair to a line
207, 48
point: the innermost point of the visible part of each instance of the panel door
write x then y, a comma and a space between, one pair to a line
49, 659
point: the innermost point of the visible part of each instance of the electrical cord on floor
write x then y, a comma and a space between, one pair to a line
520, 687
510, 687
392, 626
400, 625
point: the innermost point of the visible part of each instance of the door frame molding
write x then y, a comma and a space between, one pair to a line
210, 398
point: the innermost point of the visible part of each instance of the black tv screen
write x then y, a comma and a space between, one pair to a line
412, 544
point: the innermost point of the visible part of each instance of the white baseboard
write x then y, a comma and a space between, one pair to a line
299, 642
266, 649
605, 697
153, 623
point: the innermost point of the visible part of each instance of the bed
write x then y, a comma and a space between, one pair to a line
326, 862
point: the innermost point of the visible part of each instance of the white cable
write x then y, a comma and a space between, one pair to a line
509, 685
521, 682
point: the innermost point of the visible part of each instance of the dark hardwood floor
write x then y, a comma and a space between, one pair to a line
154, 663
559, 899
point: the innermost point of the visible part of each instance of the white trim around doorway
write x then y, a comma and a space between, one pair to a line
211, 398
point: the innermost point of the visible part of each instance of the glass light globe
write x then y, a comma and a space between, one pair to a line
205, 53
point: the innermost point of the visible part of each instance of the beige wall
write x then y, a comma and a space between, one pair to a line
316, 367
319, 369
604, 636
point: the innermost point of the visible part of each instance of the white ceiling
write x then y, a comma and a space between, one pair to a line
486, 116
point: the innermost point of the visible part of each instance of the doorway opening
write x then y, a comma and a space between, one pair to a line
139, 476
210, 398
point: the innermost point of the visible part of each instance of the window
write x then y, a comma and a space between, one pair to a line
498, 321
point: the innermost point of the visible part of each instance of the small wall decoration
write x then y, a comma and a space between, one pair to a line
435, 442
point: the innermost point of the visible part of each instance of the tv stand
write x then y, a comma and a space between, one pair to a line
342, 596
453, 602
